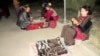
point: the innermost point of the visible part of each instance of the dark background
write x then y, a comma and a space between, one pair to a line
30, 1
9, 2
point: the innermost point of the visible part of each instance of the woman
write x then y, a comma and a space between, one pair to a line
80, 29
24, 17
50, 15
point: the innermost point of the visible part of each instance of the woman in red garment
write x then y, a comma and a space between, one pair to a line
81, 27
51, 16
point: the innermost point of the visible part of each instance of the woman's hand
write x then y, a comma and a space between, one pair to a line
74, 21
31, 20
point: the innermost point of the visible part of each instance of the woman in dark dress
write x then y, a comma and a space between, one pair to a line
81, 27
24, 17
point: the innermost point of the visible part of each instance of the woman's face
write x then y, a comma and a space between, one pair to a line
84, 12
47, 8
27, 9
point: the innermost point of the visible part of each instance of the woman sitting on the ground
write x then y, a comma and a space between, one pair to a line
50, 15
80, 29
24, 17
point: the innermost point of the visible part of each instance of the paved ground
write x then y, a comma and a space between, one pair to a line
15, 42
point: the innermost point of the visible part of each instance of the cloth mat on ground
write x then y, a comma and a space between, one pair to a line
50, 47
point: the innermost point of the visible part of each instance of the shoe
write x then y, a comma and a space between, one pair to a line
69, 44
23, 28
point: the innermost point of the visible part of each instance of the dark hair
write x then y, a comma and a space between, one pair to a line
28, 13
22, 10
26, 6
88, 8
47, 5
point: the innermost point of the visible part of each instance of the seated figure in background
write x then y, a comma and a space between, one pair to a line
81, 27
24, 17
50, 16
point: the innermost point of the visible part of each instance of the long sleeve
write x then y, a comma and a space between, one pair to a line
85, 21
48, 15
85, 24
25, 17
